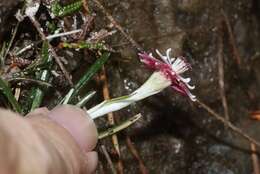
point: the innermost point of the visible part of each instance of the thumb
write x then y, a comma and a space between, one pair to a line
78, 124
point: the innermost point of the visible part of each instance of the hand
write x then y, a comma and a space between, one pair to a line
59, 141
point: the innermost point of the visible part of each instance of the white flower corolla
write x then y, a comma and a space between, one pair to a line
155, 84
166, 73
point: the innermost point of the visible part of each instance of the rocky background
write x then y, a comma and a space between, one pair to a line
175, 135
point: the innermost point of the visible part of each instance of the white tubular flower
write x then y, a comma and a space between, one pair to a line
172, 68
155, 84
167, 73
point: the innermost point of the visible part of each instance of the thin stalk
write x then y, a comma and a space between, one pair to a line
34, 81
68, 96
117, 25
228, 124
11, 41
85, 99
109, 161
111, 120
119, 127
255, 159
48, 38
63, 34
2, 53
54, 54
136, 155
6, 90
110, 115
91, 72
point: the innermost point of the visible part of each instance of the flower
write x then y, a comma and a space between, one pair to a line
167, 73
171, 68
153, 85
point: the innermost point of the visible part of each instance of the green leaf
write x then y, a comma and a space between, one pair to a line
119, 127
90, 73
37, 93
61, 11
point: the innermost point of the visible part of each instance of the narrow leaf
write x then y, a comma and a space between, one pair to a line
90, 73
44, 75
120, 127
6, 90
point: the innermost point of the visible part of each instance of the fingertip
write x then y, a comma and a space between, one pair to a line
78, 124
92, 162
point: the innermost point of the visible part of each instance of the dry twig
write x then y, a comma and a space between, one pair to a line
231, 38
221, 75
228, 124
86, 7
54, 54
111, 119
87, 27
134, 152
109, 161
255, 159
118, 26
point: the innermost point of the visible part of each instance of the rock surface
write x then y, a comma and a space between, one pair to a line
174, 135
8, 9
191, 28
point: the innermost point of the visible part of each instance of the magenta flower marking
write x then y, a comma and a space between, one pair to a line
171, 68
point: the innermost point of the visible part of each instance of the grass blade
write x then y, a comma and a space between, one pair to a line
83, 101
90, 73
2, 54
37, 93
6, 90
67, 97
